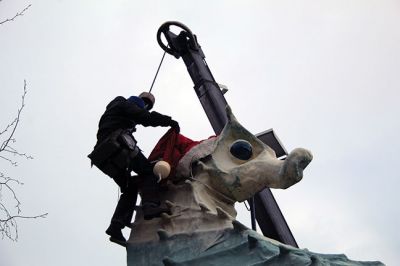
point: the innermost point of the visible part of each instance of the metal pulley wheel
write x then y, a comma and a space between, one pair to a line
185, 35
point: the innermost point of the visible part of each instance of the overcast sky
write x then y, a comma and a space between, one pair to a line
323, 74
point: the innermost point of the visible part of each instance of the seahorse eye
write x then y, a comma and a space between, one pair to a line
242, 149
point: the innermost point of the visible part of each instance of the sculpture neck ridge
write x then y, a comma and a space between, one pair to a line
195, 207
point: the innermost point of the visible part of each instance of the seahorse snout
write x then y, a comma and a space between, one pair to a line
295, 163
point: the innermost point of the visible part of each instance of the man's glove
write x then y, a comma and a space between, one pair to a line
175, 125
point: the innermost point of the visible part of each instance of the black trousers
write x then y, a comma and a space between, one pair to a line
146, 182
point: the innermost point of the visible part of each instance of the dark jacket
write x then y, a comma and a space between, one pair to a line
123, 114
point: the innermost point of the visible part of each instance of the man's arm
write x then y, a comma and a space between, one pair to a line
146, 118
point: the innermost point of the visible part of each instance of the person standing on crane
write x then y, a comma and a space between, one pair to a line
117, 155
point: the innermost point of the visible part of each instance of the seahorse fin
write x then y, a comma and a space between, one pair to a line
203, 207
162, 234
223, 214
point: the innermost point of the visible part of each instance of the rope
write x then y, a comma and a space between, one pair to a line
158, 69
247, 207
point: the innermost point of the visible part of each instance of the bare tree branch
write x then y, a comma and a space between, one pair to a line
13, 124
4, 182
14, 152
8, 221
9, 226
24, 217
5, 146
13, 163
21, 13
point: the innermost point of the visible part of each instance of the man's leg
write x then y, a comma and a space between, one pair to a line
127, 201
149, 187
125, 207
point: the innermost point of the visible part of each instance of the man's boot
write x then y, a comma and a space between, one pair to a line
151, 199
122, 216
116, 236
152, 210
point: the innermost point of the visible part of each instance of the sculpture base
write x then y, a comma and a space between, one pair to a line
239, 246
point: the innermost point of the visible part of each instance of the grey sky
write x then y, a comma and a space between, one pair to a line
323, 74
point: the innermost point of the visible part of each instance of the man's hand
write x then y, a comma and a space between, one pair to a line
175, 125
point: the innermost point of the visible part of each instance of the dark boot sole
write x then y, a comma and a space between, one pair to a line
117, 241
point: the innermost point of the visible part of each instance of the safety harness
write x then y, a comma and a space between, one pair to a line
113, 155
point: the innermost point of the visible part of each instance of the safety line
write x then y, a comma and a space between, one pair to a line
159, 66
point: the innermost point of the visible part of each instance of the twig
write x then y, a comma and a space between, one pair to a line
13, 151
4, 183
21, 13
7, 127
14, 124
9, 224
8, 220
24, 217
13, 163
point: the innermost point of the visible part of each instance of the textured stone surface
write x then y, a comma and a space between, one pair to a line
231, 247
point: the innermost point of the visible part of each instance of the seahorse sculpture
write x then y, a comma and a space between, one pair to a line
202, 229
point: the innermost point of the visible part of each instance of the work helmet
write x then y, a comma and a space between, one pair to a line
148, 99
137, 100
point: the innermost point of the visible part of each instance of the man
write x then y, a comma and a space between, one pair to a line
116, 154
